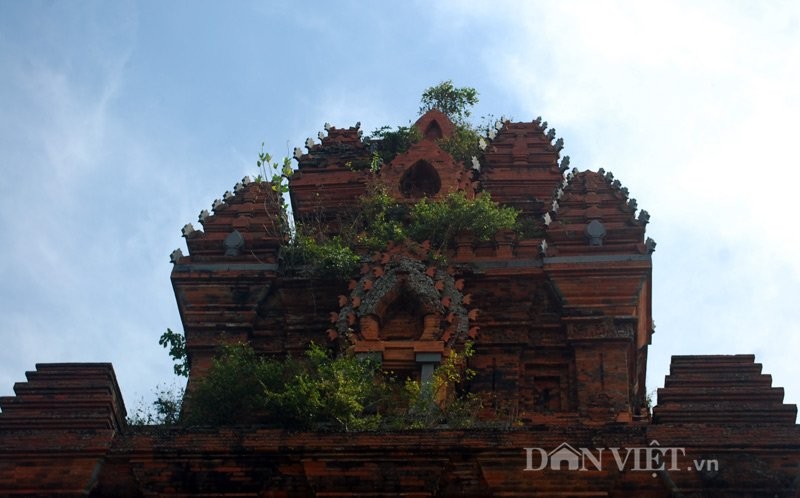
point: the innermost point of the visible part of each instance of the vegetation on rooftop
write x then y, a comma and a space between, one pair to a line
164, 410
387, 143
323, 256
381, 219
322, 391
455, 102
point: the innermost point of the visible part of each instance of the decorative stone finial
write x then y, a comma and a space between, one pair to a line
328, 126
559, 145
309, 143
175, 255
633, 204
543, 247
547, 219
476, 165
564, 166
246, 180
644, 217
321, 135
572, 174
218, 203
551, 134
298, 153
650, 245
203, 215
187, 230
228, 195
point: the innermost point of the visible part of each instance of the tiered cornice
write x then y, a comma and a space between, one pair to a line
521, 166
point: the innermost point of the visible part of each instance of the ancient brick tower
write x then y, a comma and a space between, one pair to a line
562, 322
560, 317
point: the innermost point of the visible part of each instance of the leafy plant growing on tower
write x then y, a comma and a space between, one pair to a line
176, 343
321, 391
455, 102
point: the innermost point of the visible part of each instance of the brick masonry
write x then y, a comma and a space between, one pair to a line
561, 320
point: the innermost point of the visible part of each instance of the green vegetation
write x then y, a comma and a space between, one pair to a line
379, 218
323, 392
382, 219
276, 173
327, 258
439, 402
440, 221
388, 143
464, 144
177, 351
165, 410
455, 102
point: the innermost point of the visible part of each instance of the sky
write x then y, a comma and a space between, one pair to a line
120, 121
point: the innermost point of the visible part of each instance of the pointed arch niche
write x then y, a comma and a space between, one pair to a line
425, 169
405, 315
420, 180
433, 131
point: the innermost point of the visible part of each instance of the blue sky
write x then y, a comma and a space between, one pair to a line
120, 121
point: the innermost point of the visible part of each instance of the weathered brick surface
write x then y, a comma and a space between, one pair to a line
561, 319
721, 389
58, 428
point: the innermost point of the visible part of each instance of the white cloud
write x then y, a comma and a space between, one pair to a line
693, 107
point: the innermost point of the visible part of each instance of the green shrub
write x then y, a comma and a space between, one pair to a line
463, 144
388, 143
455, 102
323, 392
380, 220
165, 410
314, 392
329, 258
231, 392
437, 402
440, 221
328, 393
